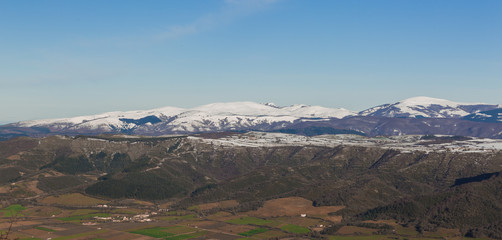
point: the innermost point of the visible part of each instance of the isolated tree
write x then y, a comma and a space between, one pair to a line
12, 220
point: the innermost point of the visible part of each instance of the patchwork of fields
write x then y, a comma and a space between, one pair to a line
291, 217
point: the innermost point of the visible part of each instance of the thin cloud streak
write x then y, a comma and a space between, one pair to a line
232, 10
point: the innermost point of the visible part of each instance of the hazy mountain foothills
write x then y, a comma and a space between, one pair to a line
426, 190
419, 115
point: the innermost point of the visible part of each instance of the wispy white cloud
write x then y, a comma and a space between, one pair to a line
71, 65
251, 2
231, 10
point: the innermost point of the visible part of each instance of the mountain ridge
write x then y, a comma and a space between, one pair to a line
427, 107
246, 116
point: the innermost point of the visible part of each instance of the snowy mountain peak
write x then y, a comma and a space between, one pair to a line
426, 107
236, 108
427, 101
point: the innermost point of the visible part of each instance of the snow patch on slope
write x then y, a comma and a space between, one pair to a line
408, 143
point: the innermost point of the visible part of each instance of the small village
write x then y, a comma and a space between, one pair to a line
119, 218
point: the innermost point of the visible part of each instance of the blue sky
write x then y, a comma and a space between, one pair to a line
68, 58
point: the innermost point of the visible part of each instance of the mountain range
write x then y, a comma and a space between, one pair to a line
412, 186
418, 115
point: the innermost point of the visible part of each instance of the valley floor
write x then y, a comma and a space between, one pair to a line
285, 218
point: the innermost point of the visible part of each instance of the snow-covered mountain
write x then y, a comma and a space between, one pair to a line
419, 115
426, 107
211, 117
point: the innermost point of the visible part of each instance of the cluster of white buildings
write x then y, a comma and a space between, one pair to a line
146, 217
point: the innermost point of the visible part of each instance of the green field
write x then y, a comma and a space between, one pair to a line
12, 210
187, 236
81, 235
253, 232
295, 229
194, 208
45, 229
156, 232
407, 231
170, 232
250, 220
272, 234
179, 229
